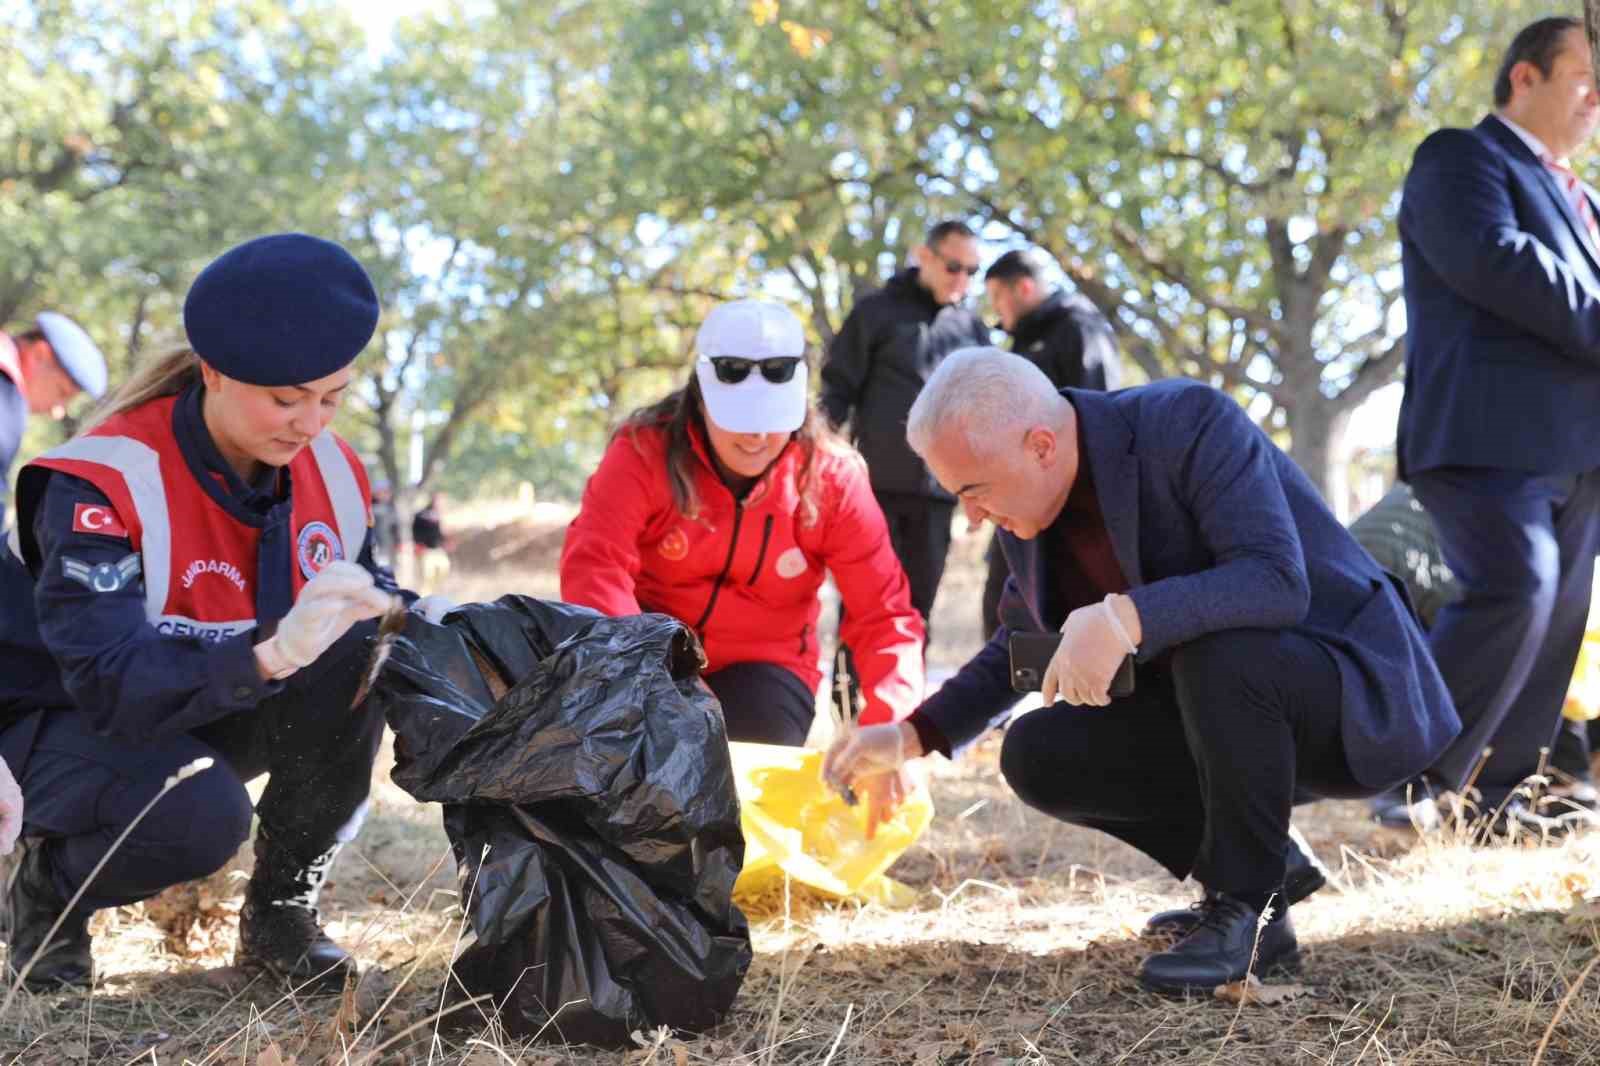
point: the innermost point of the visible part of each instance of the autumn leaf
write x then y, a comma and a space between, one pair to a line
272, 1055
763, 11
1251, 992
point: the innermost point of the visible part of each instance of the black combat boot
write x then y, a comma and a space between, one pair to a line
1221, 949
1303, 874
279, 927
33, 904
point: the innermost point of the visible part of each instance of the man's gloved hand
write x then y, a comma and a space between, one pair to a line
10, 810
434, 608
1087, 658
341, 595
866, 750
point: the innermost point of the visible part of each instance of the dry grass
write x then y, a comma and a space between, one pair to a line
1021, 949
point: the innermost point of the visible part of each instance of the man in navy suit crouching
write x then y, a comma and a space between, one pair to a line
1274, 660
1500, 426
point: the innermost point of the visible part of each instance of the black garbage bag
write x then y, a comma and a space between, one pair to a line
591, 809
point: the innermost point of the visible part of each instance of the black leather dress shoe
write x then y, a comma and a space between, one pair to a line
1221, 949
1302, 875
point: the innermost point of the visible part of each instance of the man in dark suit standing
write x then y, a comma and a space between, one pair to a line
1062, 334
889, 344
1274, 659
1499, 430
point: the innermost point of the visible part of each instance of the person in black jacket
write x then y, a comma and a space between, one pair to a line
890, 343
1062, 334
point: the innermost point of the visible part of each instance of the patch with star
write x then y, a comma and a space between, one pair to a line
103, 577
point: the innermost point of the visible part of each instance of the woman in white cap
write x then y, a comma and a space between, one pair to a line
723, 505
200, 559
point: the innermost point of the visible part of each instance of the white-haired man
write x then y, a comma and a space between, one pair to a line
1275, 660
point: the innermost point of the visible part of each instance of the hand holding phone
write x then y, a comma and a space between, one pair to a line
1030, 658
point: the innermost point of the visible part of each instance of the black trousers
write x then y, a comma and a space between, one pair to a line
763, 703
80, 789
994, 586
1523, 549
1199, 767
919, 529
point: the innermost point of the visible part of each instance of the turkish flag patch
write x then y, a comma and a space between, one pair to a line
97, 518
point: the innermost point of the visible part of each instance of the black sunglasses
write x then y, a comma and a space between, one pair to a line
955, 266
731, 369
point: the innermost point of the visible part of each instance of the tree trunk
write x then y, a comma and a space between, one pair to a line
1317, 435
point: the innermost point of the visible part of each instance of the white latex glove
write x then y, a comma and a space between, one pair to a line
866, 750
434, 608
1086, 660
341, 595
10, 810
884, 793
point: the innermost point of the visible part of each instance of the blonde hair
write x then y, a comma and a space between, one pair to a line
165, 375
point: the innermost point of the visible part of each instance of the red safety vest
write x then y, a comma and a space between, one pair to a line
199, 561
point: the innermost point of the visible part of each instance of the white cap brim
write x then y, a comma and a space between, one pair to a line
754, 405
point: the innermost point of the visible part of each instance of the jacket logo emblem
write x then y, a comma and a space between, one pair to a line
102, 577
316, 547
791, 564
674, 546
97, 518
213, 566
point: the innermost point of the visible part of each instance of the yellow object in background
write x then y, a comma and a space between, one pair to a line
796, 825
1583, 695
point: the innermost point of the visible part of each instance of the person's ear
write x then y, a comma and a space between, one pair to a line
1041, 445
209, 377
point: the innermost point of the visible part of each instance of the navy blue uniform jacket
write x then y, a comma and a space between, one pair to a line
1215, 528
1502, 311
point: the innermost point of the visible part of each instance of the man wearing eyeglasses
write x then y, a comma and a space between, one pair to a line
892, 341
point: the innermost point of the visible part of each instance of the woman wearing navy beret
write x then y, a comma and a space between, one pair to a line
201, 565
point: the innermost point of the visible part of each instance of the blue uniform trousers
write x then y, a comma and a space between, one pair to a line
81, 789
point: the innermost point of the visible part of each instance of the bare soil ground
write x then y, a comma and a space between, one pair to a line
1021, 947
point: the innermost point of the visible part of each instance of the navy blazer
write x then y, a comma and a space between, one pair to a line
1215, 528
1502, 288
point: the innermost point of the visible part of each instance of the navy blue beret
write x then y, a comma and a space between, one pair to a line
281, 310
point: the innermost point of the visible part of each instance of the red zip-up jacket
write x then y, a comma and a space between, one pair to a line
745, 574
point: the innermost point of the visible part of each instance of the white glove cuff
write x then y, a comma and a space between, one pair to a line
277, 665
1117, 627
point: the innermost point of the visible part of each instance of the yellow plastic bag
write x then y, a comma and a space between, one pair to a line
1583, 695
794, 824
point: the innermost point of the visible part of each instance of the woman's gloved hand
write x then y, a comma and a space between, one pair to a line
341, 595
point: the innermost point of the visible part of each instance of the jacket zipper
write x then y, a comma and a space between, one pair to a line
761, 556
716, 587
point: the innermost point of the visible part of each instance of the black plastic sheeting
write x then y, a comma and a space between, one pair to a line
592, 811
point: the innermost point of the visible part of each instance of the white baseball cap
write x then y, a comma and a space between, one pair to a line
755, 330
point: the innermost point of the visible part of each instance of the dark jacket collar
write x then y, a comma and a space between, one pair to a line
907, 285
1036, 323
250, 503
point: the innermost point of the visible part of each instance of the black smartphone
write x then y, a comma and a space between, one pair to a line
1030, 657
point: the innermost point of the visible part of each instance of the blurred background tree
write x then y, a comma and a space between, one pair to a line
549, 195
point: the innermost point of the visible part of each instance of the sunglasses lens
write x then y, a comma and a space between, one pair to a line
960, 268
778, 371
732, 371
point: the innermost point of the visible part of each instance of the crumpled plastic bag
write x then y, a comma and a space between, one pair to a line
795, 825
592, 809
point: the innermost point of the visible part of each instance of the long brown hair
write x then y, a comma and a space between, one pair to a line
681, 412
164, 375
